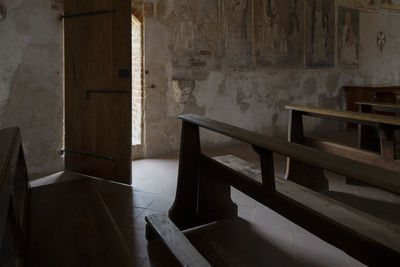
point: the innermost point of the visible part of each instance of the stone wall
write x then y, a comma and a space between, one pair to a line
137, 92
222, 47
217, 72
31, 79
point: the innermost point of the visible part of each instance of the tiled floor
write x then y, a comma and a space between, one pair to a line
259, 237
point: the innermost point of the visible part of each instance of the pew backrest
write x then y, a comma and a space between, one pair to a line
14, 195
379, 106
385, 124
379, 177
203, 191
346, 116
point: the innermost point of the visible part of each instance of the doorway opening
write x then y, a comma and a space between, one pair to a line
137, 88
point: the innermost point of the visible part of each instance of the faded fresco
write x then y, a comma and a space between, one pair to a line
348, 37
193, 32
320, 33
390, 4
279, 32
365, 4
234, 31
180, 16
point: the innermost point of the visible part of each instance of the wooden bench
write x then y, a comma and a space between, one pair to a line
65, 224
368, 136
390, 94
203, 195
312, 176
368, 106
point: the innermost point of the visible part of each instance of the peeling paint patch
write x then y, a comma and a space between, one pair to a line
149, 9
222, 87
57, 5
200, 75
275, 117
332, 82
310, 85
3, 11
328, 102
192, 107
240, 99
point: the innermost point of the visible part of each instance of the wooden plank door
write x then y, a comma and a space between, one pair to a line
97, 44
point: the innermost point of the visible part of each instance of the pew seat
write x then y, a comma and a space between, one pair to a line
63, 224
203, 195
70, 225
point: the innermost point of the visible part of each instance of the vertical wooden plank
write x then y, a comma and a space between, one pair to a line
267, 168
98, 125
122, 104
299, 172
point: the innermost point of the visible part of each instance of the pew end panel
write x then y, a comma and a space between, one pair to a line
14, 197
305, 174
364, 237
63, 224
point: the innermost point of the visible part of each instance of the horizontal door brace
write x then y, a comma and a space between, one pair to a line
69, 16
88, 92
63, 151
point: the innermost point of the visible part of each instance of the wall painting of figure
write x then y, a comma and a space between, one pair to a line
320, 33
348, 37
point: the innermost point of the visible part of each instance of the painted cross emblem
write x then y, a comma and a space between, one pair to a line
381, 40
3, 10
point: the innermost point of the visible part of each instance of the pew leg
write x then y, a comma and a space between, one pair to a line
368, 138
150, 233
200, 196
304, 174
215, 201
184, 209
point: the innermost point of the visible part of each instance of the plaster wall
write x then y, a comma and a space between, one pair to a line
31, 80
253, 97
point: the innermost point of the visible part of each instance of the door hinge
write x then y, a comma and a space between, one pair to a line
69, 16
63, 151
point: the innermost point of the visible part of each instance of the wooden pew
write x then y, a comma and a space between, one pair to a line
390, 94
313, 177
14, 196
203, 194
65, 224
368, 136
